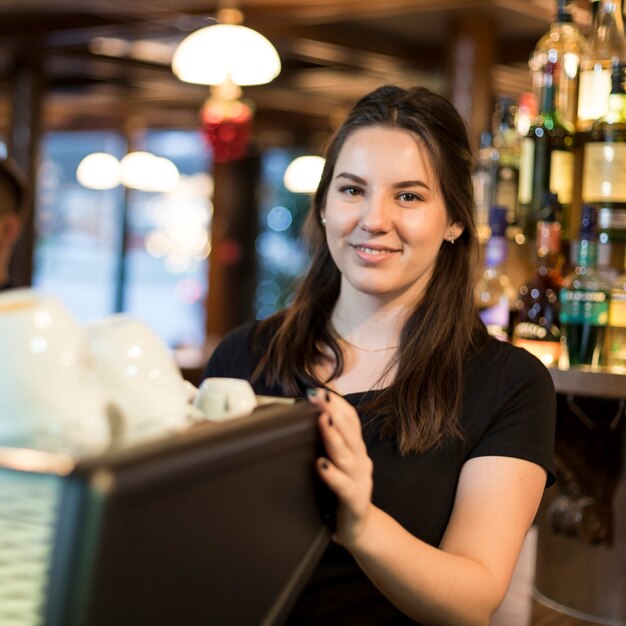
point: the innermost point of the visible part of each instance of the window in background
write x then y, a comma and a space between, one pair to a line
79, 230
169, 242
282, 257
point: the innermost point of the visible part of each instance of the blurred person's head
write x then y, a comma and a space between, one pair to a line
12, 212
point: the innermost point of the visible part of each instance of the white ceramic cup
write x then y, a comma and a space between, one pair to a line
221, 399
140, 375
50, 396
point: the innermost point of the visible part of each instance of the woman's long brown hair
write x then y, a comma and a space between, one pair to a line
421, 407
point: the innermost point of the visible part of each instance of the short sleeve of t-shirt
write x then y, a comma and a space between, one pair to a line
523, 409
232, 356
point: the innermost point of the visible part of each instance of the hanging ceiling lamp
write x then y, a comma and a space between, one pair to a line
226, 51
226, 56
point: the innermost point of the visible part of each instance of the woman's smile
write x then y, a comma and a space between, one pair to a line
374, 253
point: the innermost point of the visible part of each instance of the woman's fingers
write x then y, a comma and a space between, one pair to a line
337, 480
354, 492
337, 448
347, 469
342, 416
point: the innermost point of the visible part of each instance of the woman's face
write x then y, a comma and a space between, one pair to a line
385, 215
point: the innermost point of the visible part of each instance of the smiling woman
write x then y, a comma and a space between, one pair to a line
438, 439
385, 217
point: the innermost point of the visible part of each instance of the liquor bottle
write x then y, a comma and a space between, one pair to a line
584, 301
495, 294
606, 47
567, 46
483, 180
604, 174
507, 146
547, 158
537, 325
616, 332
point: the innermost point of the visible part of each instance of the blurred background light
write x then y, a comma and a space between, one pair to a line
279, 219
145, 171
303, 174
99, 170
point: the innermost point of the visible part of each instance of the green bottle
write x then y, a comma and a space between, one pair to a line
584, 301
547, 158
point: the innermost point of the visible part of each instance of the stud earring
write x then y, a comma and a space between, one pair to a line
323, 222
450, 238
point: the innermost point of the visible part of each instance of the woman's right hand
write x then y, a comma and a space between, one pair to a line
347, 469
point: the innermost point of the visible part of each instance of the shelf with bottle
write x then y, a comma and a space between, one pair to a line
584, 302
547, 156
548, 161
585, 160
494, 292
495, 177
537, 327
565, 45
604, 176
577, 320
581, 169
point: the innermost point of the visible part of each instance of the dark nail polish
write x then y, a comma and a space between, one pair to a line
330, 420
327, 396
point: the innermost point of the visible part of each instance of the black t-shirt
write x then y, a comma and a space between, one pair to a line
509, 410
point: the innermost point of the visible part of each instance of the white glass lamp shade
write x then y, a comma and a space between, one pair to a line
221, 52
303, 174
147, 172
99, 170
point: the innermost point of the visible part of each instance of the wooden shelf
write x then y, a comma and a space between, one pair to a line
583, 381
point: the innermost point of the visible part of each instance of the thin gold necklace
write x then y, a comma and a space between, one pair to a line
368, 349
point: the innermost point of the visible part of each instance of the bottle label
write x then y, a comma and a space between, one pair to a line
535, 332
604, 172
617, 308
612, 219
562, 175
527, 157
593, 95
548, 352
584, 307
587, 253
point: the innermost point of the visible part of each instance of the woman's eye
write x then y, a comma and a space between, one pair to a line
350, 190
408, 196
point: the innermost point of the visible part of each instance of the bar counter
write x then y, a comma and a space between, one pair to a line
581, 539
583, 381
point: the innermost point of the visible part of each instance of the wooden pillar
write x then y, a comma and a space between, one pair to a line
23, 147
471, 55
232, 263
